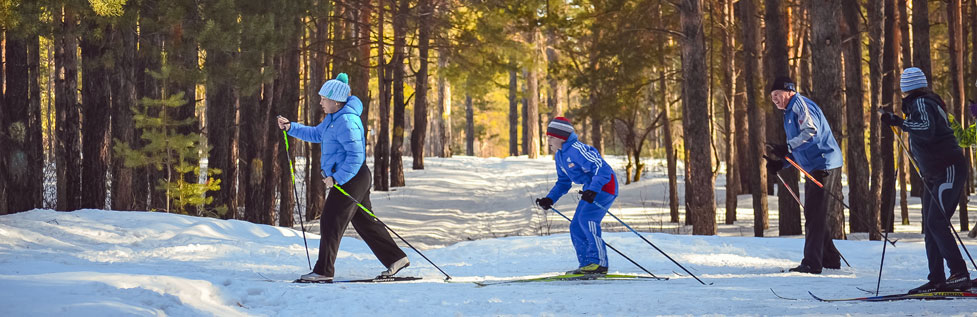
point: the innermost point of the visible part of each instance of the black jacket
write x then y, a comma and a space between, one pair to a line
931, 139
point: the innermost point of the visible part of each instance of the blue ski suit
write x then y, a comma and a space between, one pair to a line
582, 164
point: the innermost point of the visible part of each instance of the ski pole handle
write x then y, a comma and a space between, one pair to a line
799, 168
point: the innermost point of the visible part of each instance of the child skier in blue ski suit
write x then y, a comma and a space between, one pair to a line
579, 163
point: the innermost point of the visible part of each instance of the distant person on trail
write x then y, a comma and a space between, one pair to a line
944, 170
811, 145
579, 163
343, 162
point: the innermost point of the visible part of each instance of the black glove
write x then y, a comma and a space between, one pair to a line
544, 203
773, 165
892, 119
588, 196
779, 150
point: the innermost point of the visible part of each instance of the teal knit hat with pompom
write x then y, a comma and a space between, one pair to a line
336, 89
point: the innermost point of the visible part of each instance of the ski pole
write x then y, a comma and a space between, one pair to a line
832, 194
881, 263
615, 250
368, 212
798, 200
933, 196
295, 191
649, 242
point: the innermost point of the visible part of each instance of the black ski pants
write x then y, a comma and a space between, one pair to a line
340, 211
944, 187
819, 248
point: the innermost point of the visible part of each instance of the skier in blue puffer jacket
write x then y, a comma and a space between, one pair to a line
579, 163
343, 163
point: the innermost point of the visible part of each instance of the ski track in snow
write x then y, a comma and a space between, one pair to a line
474, 218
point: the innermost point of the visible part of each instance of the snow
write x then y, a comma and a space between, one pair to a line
474, 218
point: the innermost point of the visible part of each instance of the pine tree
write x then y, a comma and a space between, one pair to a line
170, 151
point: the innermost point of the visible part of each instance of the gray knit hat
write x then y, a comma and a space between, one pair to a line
560, 127
336, 89
912, 79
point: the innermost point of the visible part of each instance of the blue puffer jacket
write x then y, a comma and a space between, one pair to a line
341, 135
582, 164
809, 136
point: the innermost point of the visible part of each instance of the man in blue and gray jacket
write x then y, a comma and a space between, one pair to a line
580, 163
811, 144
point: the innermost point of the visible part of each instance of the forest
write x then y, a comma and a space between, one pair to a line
145, 105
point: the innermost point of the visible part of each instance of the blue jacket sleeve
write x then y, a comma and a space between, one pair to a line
350, 137
306, 133
562, 186
808, 127
591, 162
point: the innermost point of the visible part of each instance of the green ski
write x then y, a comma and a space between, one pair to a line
573, 277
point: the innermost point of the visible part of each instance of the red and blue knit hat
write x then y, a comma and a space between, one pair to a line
560, 127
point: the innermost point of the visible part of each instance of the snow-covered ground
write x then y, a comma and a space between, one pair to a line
475, 219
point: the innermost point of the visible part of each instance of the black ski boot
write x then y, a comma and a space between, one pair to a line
925, 288
804, 268
957, 282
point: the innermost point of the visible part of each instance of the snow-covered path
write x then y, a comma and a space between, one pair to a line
106, 263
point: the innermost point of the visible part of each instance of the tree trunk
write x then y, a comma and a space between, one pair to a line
221, 129
148, 195
397, 140
444, 108
21, 124
531, 118
123, 100
513, 113
315, 192
381, 152
859, 197
729, 88
665, 108
895, 23
777, 65
525, 112
698, 137
3, 126
826, 83
288, 106
360, 86
469, 126
955, 26
921, 59
97, 103
419, 133
68, 122
876, 32
758, 174
257, 183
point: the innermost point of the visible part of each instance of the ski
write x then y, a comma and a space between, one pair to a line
573, 277
893, 297
378, 279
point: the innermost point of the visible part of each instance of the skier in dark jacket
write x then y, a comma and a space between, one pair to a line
812, 145
943, 167
580, 163
343, 162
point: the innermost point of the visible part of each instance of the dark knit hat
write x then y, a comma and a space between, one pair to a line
782, 83
560, 127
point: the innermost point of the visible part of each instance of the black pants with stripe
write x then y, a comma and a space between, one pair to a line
339, 212
943, 188
819, 248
